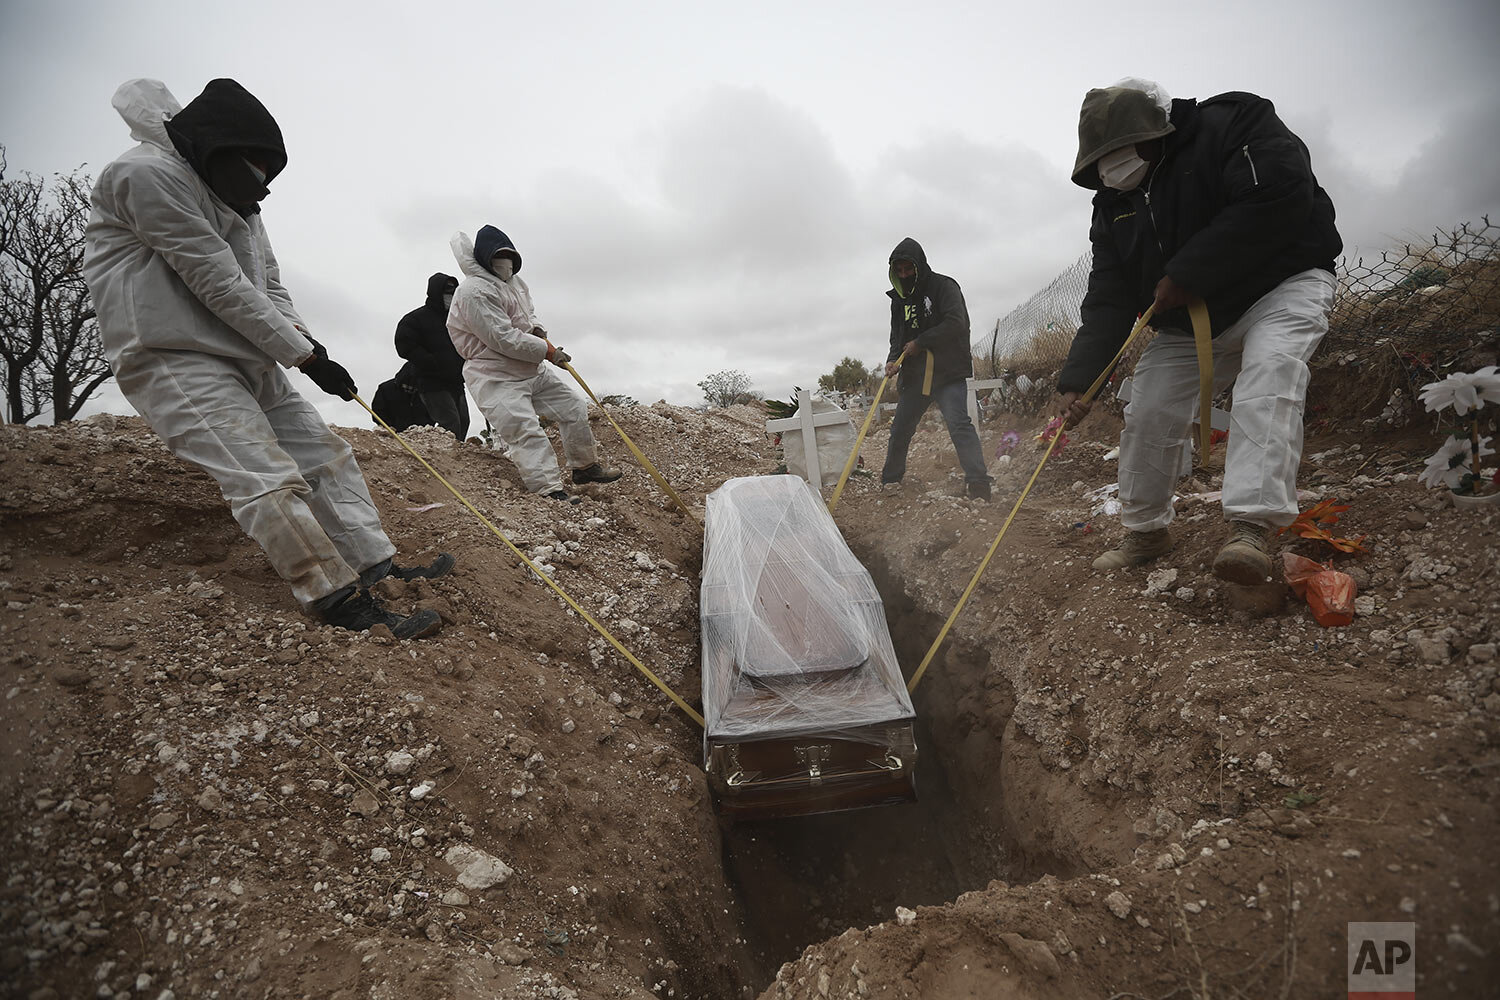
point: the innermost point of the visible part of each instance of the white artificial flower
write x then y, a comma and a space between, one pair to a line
1464, 391
1442, 470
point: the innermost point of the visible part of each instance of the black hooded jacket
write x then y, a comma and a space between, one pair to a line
216, 130
933, 313
422, 338
1230, 211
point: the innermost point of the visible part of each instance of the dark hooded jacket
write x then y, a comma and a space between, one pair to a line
1230, 211
490, 241
215, 132
422, 339
398, 403
932, 312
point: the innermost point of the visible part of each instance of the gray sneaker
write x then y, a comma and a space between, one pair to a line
1246, 558
1139, 548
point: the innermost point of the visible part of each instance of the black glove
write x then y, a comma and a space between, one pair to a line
330, 376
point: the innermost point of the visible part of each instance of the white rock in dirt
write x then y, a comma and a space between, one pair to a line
1186, 593
378, 854
1159, 580
1482, 652
1264, 762
905, 917
423, 790
568, 725
643, 561
399, 762
477, 869
1364, 605
1118, 903
455, 897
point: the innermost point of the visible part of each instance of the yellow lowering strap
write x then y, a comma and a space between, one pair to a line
1088, 397
854, 455
692, 714
639, 455
1203, 340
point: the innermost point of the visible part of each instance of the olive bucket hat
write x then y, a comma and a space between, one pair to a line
1112, 118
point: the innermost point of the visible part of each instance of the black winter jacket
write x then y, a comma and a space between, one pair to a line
397, 401
422, 338
1231, 211
933, 313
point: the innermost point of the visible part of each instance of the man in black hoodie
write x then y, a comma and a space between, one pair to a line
1213, 200
435, 366
930, 327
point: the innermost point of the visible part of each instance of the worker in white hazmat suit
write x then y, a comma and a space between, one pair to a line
197, 328
494, 328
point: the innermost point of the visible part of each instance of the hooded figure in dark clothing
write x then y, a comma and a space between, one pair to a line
434, 367
1212, 200
198, 330
930, 329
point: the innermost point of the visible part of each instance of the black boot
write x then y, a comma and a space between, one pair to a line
441, 566
978, 490
562, 495
596, 473
358, 611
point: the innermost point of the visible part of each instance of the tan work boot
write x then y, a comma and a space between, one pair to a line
1139, 548
1246, 558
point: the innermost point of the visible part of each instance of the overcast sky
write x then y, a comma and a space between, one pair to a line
701, 186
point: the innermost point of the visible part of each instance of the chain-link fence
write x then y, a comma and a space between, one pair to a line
1039, 329
1412, 302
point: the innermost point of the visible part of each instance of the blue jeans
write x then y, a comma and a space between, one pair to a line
952, 400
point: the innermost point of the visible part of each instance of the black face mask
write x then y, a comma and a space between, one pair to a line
232, 178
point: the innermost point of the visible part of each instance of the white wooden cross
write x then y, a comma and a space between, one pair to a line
806, 421
974, 385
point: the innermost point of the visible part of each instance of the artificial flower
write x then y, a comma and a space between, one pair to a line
1449, 464
1054, 426
1464, 391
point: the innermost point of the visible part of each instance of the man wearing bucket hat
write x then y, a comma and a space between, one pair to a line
1212, 200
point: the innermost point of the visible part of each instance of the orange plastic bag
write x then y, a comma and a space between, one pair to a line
1328, 592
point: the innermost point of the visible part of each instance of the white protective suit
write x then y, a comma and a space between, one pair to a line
1264, 353
490, 322
194, 321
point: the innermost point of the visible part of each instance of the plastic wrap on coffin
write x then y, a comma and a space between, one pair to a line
805, 705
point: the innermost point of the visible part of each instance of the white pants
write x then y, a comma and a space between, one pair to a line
512, 406
1265, 355
291, 483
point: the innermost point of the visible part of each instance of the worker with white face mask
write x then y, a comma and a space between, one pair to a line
1212, 200
198, 329
494, 327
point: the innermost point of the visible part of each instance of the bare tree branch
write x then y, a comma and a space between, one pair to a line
49, 336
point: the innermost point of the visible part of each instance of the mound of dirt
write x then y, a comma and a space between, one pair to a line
1143, 783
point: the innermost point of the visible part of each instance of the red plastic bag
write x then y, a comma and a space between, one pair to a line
1328, 592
